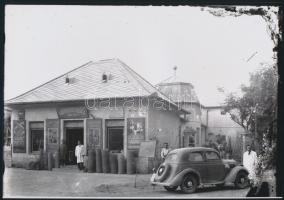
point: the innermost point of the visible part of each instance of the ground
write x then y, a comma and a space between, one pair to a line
72, 183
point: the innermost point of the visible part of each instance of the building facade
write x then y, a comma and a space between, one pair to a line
204, 124
103, 104
107, 105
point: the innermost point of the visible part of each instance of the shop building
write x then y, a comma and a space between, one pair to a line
103, 104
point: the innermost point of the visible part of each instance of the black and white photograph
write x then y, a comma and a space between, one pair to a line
107, 101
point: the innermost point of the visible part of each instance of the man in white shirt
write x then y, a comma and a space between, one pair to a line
165, 151
79, 153
250, 163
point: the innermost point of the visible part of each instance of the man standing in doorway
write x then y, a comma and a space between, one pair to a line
250, 163
79, 153
165, 151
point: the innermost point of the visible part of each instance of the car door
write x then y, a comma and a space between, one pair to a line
196, 161
215, 167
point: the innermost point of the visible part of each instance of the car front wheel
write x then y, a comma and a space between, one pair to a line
171, 188
242, 180
189, 184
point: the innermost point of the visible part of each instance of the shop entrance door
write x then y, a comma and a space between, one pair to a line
72, 137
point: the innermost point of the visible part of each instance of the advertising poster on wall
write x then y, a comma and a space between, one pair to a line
135, 132
19, 136
52, 135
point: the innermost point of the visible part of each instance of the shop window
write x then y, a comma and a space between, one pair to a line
115, 138
37, 136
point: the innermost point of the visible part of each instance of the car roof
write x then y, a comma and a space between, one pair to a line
192, 149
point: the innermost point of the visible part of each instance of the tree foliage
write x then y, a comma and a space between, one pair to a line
258, 100
256, 111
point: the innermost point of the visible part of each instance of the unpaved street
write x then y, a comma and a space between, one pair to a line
72, 183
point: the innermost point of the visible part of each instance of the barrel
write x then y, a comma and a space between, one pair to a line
49, 162
85, 163
105, 161
56, 159
121, 163
98, 161
92, 161
131, 162
45, 161
41, 159
113, 163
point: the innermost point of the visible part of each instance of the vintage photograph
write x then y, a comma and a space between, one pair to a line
141, 101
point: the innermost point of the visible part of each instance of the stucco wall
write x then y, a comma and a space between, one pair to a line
31, 114
218, 123
164, 127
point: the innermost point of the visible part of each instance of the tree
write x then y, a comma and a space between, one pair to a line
256, 110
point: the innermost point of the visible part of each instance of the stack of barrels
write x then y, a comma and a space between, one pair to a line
103, 161
99, 161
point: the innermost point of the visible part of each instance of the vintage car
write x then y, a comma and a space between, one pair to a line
195, 167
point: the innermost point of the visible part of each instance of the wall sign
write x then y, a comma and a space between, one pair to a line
147, 149
135, 132
72, 112
19, 136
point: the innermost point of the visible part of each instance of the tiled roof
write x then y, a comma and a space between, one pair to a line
86, 82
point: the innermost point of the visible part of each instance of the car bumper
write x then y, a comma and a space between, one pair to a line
154, 182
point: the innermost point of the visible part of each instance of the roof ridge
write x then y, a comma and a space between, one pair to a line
165, 96
130, 70
86, 64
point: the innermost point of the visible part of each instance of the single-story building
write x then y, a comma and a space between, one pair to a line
103, 104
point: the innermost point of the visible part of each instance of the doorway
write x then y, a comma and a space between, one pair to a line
115, 138
72, 137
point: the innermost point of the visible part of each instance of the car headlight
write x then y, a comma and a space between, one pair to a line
161, 170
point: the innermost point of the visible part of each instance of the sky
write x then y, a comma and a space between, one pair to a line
43, 42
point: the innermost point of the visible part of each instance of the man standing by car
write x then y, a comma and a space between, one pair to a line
250, 163
165, 151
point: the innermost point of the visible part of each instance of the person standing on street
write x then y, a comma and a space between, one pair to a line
250, 163
165, 151
79, 153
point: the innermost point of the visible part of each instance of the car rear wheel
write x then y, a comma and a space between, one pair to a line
189, 184
171, 188
242, 180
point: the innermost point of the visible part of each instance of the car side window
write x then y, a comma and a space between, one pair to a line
195, 157
211, 155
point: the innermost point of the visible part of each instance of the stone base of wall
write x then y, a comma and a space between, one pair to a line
21, 160
7, 156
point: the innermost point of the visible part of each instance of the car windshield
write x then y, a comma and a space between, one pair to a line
172, 157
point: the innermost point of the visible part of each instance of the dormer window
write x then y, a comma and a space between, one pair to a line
104, 78
67, 80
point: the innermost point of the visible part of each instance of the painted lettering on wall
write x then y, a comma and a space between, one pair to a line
72, 112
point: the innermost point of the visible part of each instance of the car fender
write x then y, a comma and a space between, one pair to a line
230, 178
177, 180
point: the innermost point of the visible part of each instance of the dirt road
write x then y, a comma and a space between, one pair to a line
30, 183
